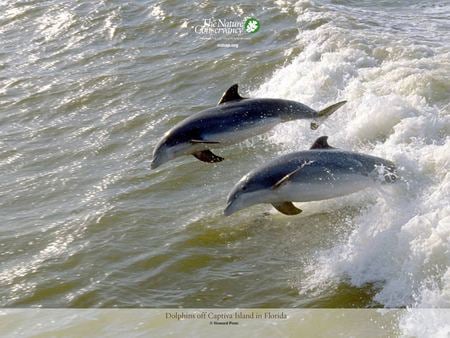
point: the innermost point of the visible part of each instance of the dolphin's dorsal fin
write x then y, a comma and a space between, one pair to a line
231, 95
321, 143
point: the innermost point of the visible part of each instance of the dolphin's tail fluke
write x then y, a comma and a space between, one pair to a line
330, 109
324, 113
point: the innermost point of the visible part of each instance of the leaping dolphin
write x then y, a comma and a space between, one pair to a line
233, 120
320, 173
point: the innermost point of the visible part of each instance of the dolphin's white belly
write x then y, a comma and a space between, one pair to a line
242, 133
316, 191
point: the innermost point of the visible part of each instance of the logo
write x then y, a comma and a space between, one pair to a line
251, 25
229, 29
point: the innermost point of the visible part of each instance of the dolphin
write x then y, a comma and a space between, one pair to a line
323, 172
233, 120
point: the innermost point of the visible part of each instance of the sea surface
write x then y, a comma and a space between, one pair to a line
88, 87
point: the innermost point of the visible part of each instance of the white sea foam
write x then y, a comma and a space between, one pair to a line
397, 90
157, 12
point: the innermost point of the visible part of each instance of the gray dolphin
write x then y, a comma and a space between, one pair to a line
320, 173
233, 120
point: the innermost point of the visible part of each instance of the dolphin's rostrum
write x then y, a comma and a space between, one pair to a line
233, 120
320, 173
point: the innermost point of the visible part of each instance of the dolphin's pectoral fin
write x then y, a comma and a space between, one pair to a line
207, 156
231, 94
287, 208
321, 143
285, 178
330, 109
203, 141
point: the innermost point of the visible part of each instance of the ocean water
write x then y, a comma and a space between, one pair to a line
88, 88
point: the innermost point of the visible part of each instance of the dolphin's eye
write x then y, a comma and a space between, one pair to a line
244, 188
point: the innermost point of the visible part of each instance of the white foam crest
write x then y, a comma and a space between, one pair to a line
397, 108
425, 323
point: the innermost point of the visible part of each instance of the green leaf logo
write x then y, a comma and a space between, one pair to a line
251, 25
